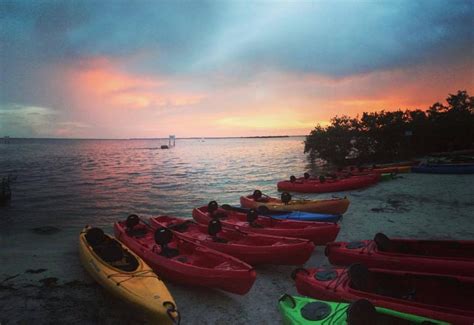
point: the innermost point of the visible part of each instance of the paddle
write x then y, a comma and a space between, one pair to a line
244, 210
267, 212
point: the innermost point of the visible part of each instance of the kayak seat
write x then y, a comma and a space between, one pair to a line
362, 312
214, 227
382, 242
95, 236
164, 236
359, 277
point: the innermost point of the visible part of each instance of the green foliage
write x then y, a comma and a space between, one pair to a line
388, 136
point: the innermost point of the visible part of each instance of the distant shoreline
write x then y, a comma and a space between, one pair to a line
183, 138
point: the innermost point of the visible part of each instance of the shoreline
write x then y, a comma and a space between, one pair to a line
42, 279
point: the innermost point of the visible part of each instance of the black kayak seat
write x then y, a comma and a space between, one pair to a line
361, 312
163, 236
95, 236
382, 242
214, 227
359, 277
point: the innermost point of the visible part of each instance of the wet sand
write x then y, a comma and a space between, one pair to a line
42, 281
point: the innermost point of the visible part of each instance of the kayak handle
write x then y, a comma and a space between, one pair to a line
170, 309
283, 298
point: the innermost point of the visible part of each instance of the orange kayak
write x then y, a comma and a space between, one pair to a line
327, 206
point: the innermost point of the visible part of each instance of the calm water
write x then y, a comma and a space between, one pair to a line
70, 183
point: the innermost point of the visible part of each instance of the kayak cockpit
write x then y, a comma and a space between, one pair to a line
428, 248
110, 251
436, 290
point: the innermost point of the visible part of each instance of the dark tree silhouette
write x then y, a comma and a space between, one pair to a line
389, 136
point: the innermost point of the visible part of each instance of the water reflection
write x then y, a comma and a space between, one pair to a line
76, 182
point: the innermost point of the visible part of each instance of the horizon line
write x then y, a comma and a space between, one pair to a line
157, 138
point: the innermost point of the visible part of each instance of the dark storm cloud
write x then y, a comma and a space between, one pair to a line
334, 38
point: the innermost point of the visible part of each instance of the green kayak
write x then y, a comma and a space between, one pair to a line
309, 311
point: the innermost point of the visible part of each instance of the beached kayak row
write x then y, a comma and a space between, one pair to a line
384, 280
216, 250
406, 279
352, 178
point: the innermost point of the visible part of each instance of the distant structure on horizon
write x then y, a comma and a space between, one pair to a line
171, 142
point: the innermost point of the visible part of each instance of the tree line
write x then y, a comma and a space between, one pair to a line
394, 136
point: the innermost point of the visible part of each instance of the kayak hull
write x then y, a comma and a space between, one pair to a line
251, 248
319, 233
367, 253
196, 266
337, 185
433, 305
292, 311
146, 293
328, 206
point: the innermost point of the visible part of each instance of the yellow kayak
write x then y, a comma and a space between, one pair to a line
126, 276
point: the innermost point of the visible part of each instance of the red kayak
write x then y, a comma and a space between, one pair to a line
324, 185
434, 256
447, 298
318, 232
184, 261
250, 248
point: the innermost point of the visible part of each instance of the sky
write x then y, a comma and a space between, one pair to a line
124, 69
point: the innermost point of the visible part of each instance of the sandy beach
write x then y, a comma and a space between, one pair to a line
42, 281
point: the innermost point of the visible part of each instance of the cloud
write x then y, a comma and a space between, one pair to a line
100, 80
25, 121
128, 69
334, 38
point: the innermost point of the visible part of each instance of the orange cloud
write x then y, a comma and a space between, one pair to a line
101, 80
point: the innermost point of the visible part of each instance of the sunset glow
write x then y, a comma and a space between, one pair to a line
227, 76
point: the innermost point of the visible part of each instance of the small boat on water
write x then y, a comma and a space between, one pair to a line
327, 206
249, 247
183, 261
126, 276
434, 256
304, 311
441, 297
318, 232
326, 185
444, 168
